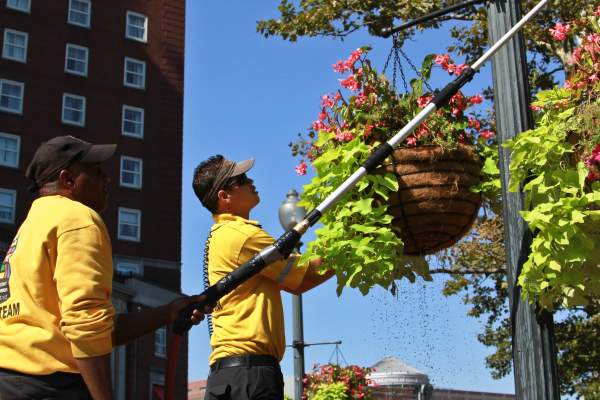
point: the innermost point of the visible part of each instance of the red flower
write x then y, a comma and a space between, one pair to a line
301, 168
423, 101
597, 12
486, 134
350, 83
340, 67
477, 99
326, 101
361, 99
343, 136
474, 123
559, 32
460, 68
319, 126
411, 141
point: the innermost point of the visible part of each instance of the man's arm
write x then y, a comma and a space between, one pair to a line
131, 326
312, 277
96, 374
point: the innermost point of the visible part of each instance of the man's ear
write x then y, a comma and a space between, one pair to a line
66, 179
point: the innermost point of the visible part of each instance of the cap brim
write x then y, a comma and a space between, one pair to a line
99, 153
242, 167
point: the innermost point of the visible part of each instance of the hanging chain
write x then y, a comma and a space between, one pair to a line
397, 54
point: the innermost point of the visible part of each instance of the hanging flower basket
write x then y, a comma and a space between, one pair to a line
419, 202
434, 206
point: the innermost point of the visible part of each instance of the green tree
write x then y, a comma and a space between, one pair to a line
340, 18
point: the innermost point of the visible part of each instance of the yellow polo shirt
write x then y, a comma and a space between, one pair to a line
55, 288
249, 320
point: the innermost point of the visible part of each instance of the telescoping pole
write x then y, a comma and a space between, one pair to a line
284, 246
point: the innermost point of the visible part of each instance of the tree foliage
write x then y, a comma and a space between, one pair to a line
340, 18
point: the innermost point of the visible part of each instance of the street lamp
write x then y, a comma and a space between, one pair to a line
289, 215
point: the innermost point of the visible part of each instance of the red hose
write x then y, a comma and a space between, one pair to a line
172, 351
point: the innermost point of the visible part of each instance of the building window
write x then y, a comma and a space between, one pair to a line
129, 224
131, 172
8, 200
76, 60
133, 121
135, 73
73, 110
11, 96
20, 5
137, 27
129, 267
15, 45
80, 12
9, 150
160, 342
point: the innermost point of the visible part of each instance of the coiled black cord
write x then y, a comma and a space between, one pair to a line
206, 281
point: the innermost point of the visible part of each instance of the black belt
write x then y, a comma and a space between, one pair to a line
248, 360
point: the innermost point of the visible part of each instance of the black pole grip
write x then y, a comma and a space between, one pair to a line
215, 292
287, 243
450, 89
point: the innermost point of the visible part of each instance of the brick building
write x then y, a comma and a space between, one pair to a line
107, 71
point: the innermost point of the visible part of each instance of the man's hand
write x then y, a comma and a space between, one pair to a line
179, 304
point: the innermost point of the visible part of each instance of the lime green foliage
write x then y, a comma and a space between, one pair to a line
331, 391
556, 166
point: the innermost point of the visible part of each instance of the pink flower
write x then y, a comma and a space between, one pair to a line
337, 97
460, 68
322, 115
343, 136
597, 12
319, 126
411, 141
354, 56
423, 101
340, 67
301, 168
536, 108
360, 99
477, 99
593, 78
368, 130
442, 59
559, 32
326, 101
486, 134
474, 123
350, 83
456, 111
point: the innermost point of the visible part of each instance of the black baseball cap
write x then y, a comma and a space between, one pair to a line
62, 151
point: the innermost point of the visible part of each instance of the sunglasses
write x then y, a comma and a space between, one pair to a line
237, 181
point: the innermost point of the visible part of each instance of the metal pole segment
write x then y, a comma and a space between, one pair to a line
341, 190
490, 52
412, 125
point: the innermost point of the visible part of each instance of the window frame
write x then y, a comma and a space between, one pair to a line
160, 348
22, 85
4, 42
135, 38
130, 266
62, 113
28, 10
18, 139
139, 226
130, 85
121, 170
14, 206
89, 14
136, 109
87, 59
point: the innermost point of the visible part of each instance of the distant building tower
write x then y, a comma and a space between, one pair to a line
107, 71
393, 379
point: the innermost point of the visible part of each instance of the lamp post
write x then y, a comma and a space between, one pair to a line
289, 215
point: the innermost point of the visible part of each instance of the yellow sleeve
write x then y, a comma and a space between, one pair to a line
287, 273
83, 276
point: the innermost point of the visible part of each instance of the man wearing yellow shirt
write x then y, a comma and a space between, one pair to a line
57, 324
248, 339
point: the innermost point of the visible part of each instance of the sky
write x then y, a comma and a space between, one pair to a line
248, 96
